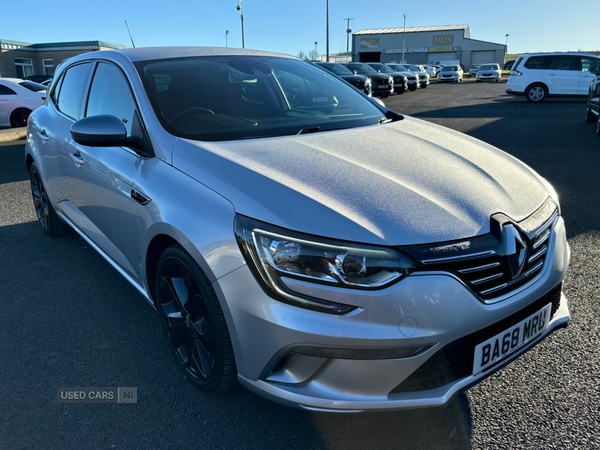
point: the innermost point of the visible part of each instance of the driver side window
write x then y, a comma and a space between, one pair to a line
110, 94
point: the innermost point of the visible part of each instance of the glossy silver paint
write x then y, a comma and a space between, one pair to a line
403, 183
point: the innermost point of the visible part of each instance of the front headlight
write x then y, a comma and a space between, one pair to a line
274, 254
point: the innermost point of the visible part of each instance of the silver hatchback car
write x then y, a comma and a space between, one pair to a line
294, 235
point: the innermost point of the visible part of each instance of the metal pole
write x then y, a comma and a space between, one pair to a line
226, 33
404, 39
348, 31
327, 45
315, 55
240, 6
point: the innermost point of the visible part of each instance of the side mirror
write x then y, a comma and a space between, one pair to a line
104, 130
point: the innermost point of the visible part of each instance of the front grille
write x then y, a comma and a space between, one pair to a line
455, 360
412, 78
486, 74
495, 264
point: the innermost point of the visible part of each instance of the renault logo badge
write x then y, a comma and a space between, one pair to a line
515, 249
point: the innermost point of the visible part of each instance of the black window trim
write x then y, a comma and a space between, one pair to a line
96, 62
60, 82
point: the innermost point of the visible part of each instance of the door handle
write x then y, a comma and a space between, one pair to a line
42, 135
76, 159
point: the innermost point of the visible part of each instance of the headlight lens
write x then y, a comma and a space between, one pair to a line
275, 253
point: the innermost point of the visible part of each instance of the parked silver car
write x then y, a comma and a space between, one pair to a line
293, 234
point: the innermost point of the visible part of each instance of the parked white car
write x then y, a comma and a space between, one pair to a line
541, 75
474, 69
450, 73
432, 70
17, 99
489, 72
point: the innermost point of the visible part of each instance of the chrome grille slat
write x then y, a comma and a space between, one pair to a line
494, 289
537, 255
479, 268
486, 279
543, 238
461, 258
533, 269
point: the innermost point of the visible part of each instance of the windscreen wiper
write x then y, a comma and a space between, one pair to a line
309, 130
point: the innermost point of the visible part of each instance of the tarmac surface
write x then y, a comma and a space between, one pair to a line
69, 319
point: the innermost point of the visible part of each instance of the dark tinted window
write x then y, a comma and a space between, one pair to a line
6, 91
538, 62
565, 62
240, 97
110, 94
70, 97
382, 68
33, 86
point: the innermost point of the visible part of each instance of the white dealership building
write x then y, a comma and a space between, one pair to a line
425, 44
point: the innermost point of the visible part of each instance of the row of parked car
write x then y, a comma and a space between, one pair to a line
378, 79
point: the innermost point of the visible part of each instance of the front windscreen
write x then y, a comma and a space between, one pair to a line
450, 69
381, 68
221, 98
489, 67
338, 69
361, 68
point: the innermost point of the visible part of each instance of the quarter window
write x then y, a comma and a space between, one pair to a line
70, 98
564, 62
24, 67
110, 94
537, 63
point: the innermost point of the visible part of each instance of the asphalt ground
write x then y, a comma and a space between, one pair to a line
69, 320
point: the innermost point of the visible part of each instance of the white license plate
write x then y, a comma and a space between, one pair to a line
509, 341
384, 86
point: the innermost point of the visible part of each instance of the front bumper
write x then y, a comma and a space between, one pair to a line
442, 78
487, 78
426, 309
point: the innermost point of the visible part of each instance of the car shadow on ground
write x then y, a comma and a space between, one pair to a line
91, 328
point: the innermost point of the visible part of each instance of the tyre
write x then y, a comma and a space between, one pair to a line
536, 93
18, 118
412, 87
589, 115
423, 86
51, 224
385, 95
194, 323
598, 126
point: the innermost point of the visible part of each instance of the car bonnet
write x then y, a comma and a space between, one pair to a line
403, 183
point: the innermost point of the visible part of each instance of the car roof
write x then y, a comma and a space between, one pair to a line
150, 53
561, 53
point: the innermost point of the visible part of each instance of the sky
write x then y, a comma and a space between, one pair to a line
293, 26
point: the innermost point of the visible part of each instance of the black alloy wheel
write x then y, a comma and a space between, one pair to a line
19, 117
51, 224
194, 322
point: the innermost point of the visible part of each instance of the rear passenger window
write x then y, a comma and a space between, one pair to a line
70, 97
537, 62
564, 62
6, 91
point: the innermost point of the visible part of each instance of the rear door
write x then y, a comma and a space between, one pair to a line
562, 75
53, 136
7, 100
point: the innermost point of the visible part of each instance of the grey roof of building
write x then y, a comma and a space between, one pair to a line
11, 44
413, 29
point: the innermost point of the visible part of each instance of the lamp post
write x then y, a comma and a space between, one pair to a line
327, 40
226, 33
348, 31
240, 7
507, 42
316, 50
404, 39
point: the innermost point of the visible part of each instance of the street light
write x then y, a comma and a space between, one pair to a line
240, 7
315, 55
226, 33
348, 31
507, 42
404, 39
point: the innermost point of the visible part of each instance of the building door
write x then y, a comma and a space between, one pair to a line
368, 57
483, 57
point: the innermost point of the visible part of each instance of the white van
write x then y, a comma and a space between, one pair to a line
447, 62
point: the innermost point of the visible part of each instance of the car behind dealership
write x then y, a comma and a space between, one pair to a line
293, 234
